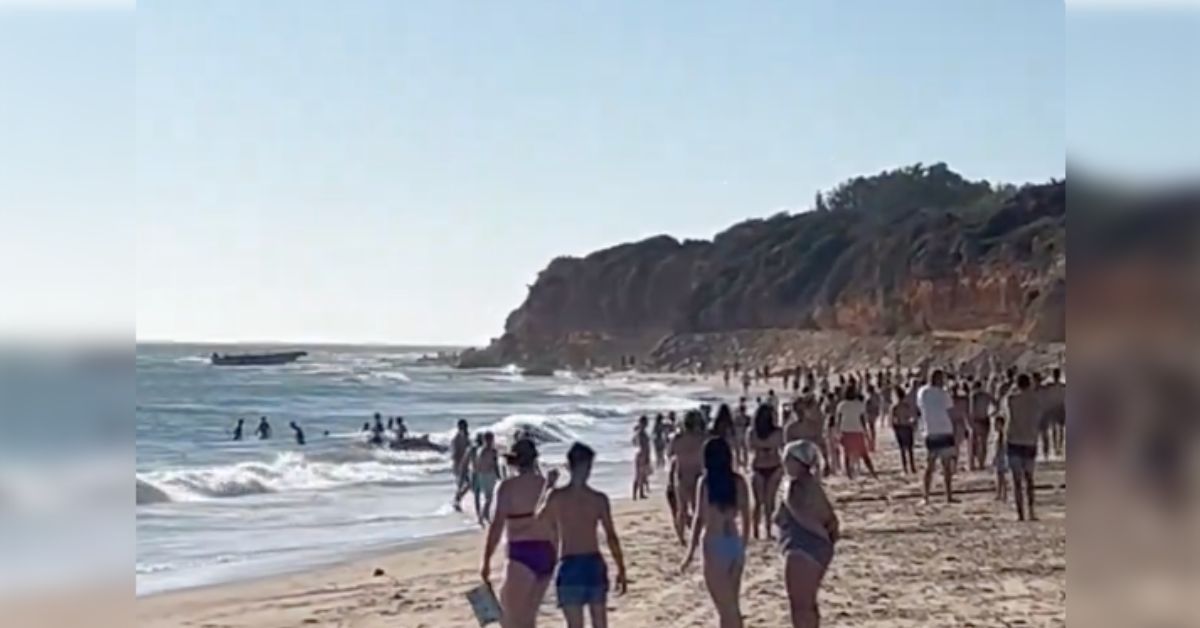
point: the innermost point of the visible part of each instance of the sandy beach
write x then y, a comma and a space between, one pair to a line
901, 564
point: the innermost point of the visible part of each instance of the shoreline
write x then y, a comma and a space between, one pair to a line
901, 564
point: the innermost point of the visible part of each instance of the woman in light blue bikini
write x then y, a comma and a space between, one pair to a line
808, 529
722, 497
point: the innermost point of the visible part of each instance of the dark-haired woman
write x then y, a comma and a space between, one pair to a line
725, 427
766, 441
722, 498
532, 554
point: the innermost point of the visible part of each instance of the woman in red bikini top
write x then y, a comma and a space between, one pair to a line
531, 544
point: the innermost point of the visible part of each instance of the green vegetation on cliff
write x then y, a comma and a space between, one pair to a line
907, 251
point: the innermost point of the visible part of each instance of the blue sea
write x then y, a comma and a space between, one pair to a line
211, 510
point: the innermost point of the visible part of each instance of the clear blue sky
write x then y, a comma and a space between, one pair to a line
400, 171
395, 171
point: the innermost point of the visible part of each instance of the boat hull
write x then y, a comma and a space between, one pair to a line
258, 359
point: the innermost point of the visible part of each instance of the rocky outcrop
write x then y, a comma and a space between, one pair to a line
914, 252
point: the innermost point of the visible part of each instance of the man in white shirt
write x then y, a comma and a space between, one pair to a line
935, 406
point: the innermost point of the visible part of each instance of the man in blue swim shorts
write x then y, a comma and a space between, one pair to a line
576, 510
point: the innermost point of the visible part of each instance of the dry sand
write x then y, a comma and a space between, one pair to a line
901, 563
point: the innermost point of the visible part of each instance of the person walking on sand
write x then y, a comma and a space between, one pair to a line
741, 425
746, 384
766, 441
981, 425
687, 450
531, 549
874, 405
641, 462
935, 405
722, 499
852, 421
1024, 410
1000, 463
903, 417
576, 512
460, 450
833, 434
808, 529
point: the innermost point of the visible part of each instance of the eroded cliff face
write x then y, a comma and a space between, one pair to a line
995, 265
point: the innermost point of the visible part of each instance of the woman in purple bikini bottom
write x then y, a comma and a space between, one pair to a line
531, 553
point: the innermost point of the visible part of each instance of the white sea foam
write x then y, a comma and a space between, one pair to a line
573, 390
289, 471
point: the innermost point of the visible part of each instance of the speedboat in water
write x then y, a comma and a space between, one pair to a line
257, 359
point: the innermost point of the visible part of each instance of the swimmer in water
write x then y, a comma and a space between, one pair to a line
299, 432
237, 431
264, 429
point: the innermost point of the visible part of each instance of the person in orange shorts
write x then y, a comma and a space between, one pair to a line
852, 419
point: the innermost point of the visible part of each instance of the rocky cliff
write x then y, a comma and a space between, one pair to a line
910, 253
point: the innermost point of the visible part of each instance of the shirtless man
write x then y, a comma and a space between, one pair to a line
577, 511
641, 462
487, 475
1024, 410
460, 449
687, 450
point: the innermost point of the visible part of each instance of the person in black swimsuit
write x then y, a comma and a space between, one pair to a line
765, 441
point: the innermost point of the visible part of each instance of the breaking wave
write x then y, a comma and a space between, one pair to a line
289, 471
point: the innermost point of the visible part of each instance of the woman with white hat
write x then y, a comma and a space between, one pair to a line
808, 530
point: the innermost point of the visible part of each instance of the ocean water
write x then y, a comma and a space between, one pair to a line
212, 510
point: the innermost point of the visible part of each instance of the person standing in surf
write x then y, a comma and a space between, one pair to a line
641, 462
460, 450
487, 474
264, 429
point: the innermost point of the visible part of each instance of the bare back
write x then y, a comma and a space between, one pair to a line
577, 513
517, 501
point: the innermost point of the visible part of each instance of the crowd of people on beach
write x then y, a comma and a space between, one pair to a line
726, 475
